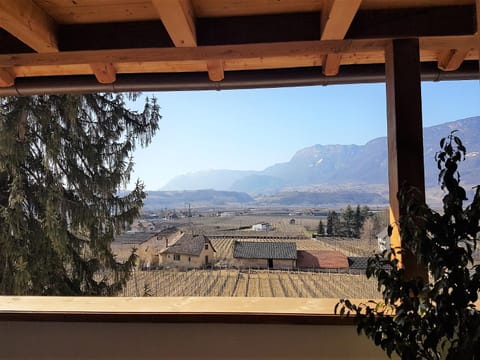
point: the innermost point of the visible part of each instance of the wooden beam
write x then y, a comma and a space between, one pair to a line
215, 70
179, 20
450, 60
337, 17
234, 57
405, 136
104, 72
331, 64
27, 22
260, 52
7, 78
335, 22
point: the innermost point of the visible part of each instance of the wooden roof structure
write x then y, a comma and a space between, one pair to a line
113, 45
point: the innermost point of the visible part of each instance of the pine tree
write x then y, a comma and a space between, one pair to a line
349, 221
358, 220
63, 159
321, 228
332, 223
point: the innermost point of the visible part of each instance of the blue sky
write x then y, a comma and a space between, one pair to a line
253, 129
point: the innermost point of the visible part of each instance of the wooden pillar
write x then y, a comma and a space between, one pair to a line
405, 134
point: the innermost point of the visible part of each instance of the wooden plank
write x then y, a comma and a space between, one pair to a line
405, 136
104, 11
450, 60
449, 42
179, 20
402, 4
104, 72
7, 78
229, 65
336, 18
259, 52
26, 21
331, 64
215, 70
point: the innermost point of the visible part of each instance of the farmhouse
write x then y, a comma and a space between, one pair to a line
148, 244
262, 227
321, 259
189, 251
278, 255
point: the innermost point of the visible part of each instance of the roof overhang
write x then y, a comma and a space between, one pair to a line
67, 46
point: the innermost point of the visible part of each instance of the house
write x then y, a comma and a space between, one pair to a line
148, 245
189, 251
321, 259
262, 227
272, 255
383, 240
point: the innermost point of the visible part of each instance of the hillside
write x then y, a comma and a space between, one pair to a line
339, 164
198, 198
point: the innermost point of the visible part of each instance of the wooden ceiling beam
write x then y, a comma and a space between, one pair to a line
215, 70
30, 24
451, 60
294, 50
7, 77
335, 22
179, 20
104, 72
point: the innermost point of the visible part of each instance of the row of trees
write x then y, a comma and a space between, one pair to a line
357, 223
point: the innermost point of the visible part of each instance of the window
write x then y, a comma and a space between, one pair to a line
176, 257
206, 246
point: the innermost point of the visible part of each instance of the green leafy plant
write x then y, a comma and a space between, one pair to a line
434, 318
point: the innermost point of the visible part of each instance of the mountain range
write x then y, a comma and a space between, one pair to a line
328, 165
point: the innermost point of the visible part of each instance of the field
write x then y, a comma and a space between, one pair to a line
249, 283
226, 280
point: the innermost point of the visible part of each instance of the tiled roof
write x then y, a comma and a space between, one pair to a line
324, 259
134, 237
189, 245
358, 262
265, 250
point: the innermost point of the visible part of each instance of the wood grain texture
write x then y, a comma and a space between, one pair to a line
179, 20
29, 23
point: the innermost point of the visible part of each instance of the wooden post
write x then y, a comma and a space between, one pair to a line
405, 135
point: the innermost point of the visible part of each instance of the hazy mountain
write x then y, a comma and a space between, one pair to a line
207, 179
196, 198
340, 164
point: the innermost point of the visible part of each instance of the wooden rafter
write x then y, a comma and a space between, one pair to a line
27, 22
104, 72
336, 19
178, 18
215, 70
450, 60
7, 77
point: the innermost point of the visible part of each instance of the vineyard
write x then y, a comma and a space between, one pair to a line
250, 283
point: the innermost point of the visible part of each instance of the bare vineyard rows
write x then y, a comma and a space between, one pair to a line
251, 283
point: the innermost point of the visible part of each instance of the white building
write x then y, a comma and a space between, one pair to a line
262, 227
383, 240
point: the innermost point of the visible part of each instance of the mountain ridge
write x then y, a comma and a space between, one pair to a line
338, 164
